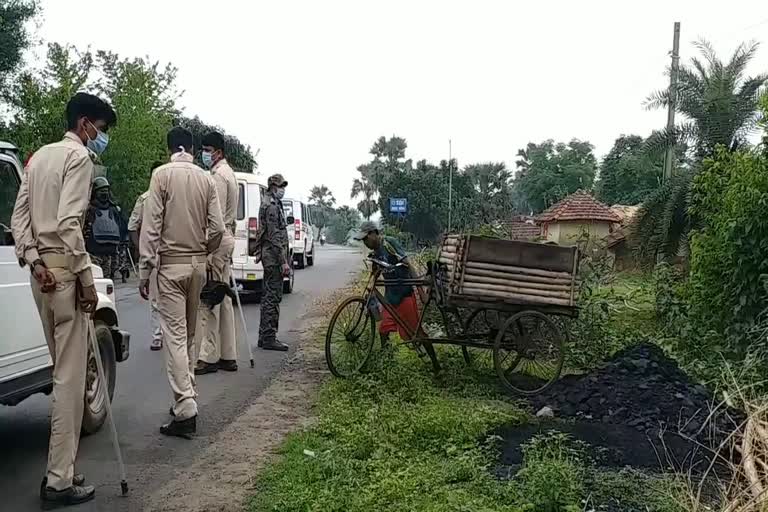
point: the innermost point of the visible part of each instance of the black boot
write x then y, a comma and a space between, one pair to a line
51, 498
78, 480
180, 428
274, 345
201, 368
227, 365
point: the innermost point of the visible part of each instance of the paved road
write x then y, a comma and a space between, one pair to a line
142, 398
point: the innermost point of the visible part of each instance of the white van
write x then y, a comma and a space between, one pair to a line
247, 273
302, 236
25, 363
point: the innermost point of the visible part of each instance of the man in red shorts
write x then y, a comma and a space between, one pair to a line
400, 297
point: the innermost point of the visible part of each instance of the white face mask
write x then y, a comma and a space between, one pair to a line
279, 193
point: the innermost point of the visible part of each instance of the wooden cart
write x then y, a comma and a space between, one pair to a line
507, 295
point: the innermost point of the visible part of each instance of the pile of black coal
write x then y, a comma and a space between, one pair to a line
640, 387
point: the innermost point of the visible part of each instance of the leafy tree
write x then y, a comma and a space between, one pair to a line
727, 284
14, 37
321, 202
340, 222
363, 186
548, 172
491, 182
662, 224
38, 100
717, 100
144, 94
720, 107
239, 155
628, 174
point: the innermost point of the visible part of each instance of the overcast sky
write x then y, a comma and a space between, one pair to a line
313, 83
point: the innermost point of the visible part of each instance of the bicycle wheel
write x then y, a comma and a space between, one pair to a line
528, 352
350, 337
482, 325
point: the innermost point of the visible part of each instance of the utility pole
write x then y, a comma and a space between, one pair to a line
669, 158
450, 185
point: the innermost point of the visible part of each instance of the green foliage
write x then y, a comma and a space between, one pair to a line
628, 175
321, 203
729, 264
615, 311
717, 99
143, 93
39, 97
340, 222
548, 172
662, 225
14, 36
553, 473
492, 186
393, 440
239, 155
630, 489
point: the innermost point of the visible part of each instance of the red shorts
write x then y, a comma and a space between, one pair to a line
408, 311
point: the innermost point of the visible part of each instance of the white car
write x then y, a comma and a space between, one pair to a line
247, 273
302, 234
25, 362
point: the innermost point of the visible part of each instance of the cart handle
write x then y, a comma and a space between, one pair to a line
385, 265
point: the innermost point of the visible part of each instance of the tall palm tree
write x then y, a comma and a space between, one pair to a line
718, 101
719, 104
321, 202
363, 187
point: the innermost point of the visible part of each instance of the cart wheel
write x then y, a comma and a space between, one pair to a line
350, 338
481, 325
528, 352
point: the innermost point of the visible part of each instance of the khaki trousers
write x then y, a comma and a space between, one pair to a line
218, 336
178, 298
65, 331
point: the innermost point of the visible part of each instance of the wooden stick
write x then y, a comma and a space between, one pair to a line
518, 277
518, 270
564, 294
519, 283
511, 297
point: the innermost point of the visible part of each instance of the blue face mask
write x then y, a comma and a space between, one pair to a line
99, 144
207, 159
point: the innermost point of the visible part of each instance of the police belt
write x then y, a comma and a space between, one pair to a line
180, 259
56, 260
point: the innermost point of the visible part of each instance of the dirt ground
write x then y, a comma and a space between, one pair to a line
223, 477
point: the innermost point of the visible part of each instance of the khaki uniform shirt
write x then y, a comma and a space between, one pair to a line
51, 204
226, 188
181, 208
134, 222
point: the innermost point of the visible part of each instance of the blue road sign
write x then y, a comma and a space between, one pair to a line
398, 205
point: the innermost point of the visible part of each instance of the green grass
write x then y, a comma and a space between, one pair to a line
399, 439
396, 440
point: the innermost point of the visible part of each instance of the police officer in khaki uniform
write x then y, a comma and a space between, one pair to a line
47, 227
134, 230
181, 208
218, 349
274, 259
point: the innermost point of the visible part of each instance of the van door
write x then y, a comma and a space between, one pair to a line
23, 349
240, 254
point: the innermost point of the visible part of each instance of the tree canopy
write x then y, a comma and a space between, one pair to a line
628, 174
718, 100
14, 36
321, 202
549, 171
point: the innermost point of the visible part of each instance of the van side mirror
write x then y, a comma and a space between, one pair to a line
289, 219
